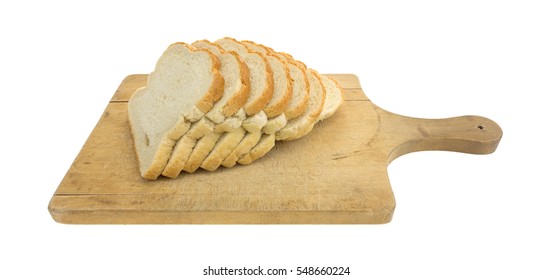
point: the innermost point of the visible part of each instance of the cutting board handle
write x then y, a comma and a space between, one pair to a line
467, 134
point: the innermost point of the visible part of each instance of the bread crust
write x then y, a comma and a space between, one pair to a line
329, 111
315, 114
256, 105
276, 105
293, 112
259, 104
279, 106
304, 123
240, 98
237, 99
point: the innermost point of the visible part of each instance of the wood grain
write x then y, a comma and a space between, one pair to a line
336, 174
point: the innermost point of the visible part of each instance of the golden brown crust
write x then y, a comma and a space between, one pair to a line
263, 99
330, 108
254, 106
315, 114
299, 109
306, 122
254, 47
233, 105
279, 106
282, 104
231, 38
207, 42
217, 86
238, 98
290, 58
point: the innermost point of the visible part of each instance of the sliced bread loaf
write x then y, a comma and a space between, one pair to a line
280, 99
261, 80
183, 87
334, 97
300, 90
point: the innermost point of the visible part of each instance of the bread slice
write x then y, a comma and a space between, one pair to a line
261, 80
300, 90
282, 87
183, 87
302, 125
235, 94
334, 97
242, 87
282, 80
237, 82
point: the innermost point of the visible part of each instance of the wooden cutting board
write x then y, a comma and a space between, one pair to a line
337, 174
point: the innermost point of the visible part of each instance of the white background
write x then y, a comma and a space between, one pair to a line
458, 216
